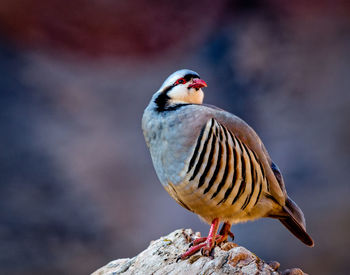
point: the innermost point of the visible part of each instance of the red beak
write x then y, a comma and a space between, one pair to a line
197, 83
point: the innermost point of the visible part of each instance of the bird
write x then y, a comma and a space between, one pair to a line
213, 163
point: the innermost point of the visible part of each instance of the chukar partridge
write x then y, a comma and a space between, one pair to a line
213, 163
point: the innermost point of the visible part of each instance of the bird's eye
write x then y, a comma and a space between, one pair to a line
180, 81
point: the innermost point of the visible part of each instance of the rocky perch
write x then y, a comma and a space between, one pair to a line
161, 255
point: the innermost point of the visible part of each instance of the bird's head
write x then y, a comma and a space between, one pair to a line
181, 87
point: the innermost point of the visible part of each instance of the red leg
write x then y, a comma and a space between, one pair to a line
191, 251
203, 239
211, 237
198, 241
223, 235
225, 232
206, 244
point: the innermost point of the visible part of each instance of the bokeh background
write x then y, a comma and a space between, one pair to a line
78, 187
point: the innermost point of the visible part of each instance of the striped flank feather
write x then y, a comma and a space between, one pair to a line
225, 168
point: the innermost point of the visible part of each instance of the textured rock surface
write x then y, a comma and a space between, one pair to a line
160, 258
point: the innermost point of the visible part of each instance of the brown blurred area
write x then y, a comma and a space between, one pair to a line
100, 28
78, 187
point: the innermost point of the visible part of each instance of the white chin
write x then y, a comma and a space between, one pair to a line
197, 96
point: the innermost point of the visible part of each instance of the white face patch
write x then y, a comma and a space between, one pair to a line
181, 94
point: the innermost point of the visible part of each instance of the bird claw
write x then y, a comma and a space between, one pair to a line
206, 251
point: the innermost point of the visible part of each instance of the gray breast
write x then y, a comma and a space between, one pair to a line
171, 137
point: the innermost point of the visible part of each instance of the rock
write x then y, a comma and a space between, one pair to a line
161, 255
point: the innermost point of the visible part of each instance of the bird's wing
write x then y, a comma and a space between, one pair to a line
250, 138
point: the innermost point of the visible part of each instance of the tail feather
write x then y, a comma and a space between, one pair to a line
294, 221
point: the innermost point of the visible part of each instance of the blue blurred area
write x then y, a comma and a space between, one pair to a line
77, 184
39, 214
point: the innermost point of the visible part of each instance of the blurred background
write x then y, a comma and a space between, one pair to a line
78, 188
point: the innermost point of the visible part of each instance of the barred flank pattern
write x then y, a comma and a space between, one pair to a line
224, 169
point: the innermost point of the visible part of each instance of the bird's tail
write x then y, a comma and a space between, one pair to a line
293, 219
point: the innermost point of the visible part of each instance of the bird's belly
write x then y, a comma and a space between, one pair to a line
188, 195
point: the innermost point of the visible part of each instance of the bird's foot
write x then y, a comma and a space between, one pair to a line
219, 238
202, 240
210, 243
202, 244
206, 244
